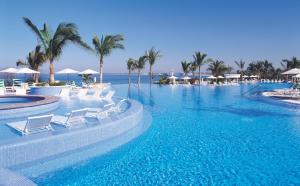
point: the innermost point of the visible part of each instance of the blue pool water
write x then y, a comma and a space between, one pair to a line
14, 100
206, 135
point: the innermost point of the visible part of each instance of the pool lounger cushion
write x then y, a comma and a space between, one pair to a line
34, 124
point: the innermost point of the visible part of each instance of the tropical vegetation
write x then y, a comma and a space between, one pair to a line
35, 60
152, 56
200, 60
105, 46
131, 65
140, 65
53, 43
185, 67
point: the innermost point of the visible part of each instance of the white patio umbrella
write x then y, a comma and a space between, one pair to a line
245, 76
211, 77
292, 71
220, 77
26, 71
9, 70
185, 78
67, 71
89, 71
253, 76
172, 77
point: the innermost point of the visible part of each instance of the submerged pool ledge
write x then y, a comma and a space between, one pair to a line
36, 147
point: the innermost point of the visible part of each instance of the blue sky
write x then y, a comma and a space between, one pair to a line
227, 30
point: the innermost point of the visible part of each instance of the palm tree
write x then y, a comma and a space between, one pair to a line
140, 65
291, 63
105, 46
193, 68
264, 69
53, 44
185, 67
35, 59
199, 59
152, 57
217, 68
241, 66
131, 65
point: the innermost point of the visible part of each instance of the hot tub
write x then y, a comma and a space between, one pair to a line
22, 106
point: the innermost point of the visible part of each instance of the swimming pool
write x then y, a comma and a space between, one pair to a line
12, 100
207, 135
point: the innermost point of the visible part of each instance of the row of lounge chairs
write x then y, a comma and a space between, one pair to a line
43, 123
16, 88
83, 94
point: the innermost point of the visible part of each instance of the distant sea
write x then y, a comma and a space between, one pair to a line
107, 77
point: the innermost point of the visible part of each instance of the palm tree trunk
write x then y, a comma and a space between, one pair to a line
51, 79
36, 76
150, 74
139, 77
101, 66
200, 75
129, 78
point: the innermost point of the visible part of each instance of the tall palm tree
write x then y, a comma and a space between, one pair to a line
217, 68
152, 57
199, 59
241, 65
193, 68
105, 46
131, 65
140, 65
291, 63
53, 44
185, 67
35, 59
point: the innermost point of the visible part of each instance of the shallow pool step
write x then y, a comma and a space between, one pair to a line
9, 178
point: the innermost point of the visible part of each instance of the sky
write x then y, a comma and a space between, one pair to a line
226, 30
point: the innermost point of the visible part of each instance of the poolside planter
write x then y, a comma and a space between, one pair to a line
49, 91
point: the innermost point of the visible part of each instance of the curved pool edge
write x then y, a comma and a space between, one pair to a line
33, 148
40, 104
36, 169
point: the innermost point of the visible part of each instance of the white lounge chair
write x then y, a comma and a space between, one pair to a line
65, 93
108, 96
101, 113
74, 118
34, 124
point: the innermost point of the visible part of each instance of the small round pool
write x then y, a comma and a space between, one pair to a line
22, 106
8, 100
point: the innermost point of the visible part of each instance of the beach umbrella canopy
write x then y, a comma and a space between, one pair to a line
245, 76
172, 77
89, 71
220, 77
211, 77
67, 71
26, 71
292, 71
185, 78
253, 76
9, 70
